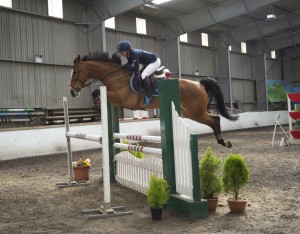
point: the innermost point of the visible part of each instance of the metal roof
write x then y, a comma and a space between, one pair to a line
242, 20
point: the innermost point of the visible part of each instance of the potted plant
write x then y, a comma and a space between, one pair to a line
235, 176
157, 196
210, 179
81, 169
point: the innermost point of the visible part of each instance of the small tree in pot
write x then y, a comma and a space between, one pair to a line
210, 179
235, 176
157, 196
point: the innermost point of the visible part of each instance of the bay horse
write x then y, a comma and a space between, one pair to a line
195, 97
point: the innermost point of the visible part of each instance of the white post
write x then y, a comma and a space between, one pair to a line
67, 127
105, 148
105, 210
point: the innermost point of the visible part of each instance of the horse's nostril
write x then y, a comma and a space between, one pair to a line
73, 93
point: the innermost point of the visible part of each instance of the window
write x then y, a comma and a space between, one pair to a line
229, 47
55, 8
204, 39
184, 37
243, 47
110, 23
141, 26
6, 3
273, 54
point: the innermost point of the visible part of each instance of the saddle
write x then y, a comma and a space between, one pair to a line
137, 85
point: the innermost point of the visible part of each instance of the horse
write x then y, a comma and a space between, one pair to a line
195, 97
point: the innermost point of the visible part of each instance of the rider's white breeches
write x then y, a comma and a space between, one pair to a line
151, 68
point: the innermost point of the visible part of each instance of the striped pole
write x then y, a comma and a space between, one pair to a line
137, 137
7, 120
133, 118
138, 148
83, 136
16, 109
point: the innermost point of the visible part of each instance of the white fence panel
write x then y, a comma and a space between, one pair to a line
135, 173
182, 155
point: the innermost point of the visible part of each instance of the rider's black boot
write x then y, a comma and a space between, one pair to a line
147, 85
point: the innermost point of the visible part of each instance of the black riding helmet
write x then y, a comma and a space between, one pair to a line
124, 46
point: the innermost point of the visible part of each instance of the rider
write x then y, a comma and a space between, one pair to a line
150, 61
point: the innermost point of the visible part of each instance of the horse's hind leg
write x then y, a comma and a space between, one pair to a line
214, 122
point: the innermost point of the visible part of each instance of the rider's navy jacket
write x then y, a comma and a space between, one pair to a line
137, 57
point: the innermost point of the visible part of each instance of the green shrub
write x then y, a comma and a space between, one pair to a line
235, 174
210, 169
158, 192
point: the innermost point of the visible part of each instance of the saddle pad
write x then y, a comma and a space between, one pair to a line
135, 86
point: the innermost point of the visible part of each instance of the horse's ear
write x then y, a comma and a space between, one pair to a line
76, 60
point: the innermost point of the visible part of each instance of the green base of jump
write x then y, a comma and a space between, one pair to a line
192, 209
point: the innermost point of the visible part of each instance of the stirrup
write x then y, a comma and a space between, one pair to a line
147, 100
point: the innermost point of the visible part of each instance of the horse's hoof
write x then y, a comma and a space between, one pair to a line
227, 144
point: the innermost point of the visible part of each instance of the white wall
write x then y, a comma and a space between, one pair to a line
52, 140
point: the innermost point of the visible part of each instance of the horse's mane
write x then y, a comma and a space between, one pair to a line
102, 56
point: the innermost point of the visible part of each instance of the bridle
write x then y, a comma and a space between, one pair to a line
79, 84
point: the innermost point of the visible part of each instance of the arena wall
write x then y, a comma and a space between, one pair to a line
51, 140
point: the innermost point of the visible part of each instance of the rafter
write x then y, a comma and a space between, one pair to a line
206, 17
258, 29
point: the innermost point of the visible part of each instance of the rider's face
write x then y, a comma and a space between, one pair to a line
123, 53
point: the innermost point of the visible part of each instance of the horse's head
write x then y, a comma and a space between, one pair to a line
78, 78
98, 66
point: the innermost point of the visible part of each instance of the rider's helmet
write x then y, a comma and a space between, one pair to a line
124, 46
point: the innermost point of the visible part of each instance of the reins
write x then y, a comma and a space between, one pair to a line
90, 77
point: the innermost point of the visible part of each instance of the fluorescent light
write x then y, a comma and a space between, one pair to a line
271, 16
156, 2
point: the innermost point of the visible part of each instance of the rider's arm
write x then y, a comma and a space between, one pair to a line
133, 62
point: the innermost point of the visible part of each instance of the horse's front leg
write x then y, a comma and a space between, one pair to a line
113, 97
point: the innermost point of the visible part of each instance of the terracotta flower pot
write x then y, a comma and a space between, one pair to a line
212, 204
237, 206
81, 173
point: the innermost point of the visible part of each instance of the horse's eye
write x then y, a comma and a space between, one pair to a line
74, 73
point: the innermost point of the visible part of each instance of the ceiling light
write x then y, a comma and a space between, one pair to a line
156, 2
271, 14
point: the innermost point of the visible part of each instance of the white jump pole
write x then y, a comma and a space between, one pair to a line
137, 137
105, 148
138, 148
83, 136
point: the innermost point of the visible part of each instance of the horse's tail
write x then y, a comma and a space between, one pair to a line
214, 92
